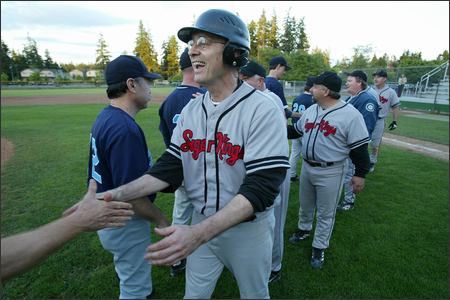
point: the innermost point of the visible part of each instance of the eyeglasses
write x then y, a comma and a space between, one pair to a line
202, 42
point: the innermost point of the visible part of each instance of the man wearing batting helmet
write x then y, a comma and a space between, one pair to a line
169, 112
231, 149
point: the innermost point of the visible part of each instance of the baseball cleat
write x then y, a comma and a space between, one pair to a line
372, 167
317, 258
294, 178
274, 276
178, 269
345, 207
298, 236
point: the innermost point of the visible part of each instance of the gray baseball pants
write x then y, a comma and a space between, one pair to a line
320, 188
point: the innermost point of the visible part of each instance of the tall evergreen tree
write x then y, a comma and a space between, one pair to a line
19, 63
6, 61
144, 49
169, 63
48, 61
289, 37
272, 38
103, 56
302, 42
262, 31
252, 29
31, 54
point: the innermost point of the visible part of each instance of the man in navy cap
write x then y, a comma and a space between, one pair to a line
169, 113
277, 67
367, 105
118, 154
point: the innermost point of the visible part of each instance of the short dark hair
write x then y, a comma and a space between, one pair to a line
116, 90
333, 94
363, 83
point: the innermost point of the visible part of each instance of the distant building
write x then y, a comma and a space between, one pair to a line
92, 73
76, 73
51, 74
27, 72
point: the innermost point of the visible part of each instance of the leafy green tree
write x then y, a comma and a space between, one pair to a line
252, 29
68, 67
302, 40
31, 54
19, 63
169, 63
5, 61
103, 56
361, 57
144, 49
272, 37
4, 77
35, 77
443, 57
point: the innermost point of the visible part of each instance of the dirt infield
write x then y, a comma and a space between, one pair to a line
69, 99
7, 151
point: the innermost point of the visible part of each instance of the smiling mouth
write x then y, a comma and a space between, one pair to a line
198, 65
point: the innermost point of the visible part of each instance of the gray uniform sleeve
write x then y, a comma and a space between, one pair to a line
394, 99
266, 146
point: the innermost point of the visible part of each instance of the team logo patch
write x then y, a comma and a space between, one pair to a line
370, 107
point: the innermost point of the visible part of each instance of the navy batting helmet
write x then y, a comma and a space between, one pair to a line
226, 25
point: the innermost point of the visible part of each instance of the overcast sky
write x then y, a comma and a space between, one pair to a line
70, 30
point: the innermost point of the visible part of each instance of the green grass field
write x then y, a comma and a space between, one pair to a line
394, 245
69, 91
422, 127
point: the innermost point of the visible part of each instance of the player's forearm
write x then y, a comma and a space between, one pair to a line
144, 185
22, 251
395, 113
144, 208
238, 210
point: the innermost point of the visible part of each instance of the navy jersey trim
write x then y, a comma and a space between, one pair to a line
205, 192
359, 143
215, 143
309, 137
279, 163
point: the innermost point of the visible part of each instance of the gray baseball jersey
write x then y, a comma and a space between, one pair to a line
213, 173
219, 144
387, 98
330, 134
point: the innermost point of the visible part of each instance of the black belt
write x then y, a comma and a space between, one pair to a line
319, 164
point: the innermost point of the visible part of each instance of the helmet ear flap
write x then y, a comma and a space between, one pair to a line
235, 55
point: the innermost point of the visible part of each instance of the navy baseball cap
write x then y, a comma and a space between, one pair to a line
279, 60
185, 60
253, 68
309, 82
127, 66
358, 73
329, 79
381, 73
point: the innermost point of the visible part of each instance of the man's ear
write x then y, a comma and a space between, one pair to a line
130, 84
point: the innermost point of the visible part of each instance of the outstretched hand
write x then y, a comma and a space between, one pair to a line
91, 214
179, 241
